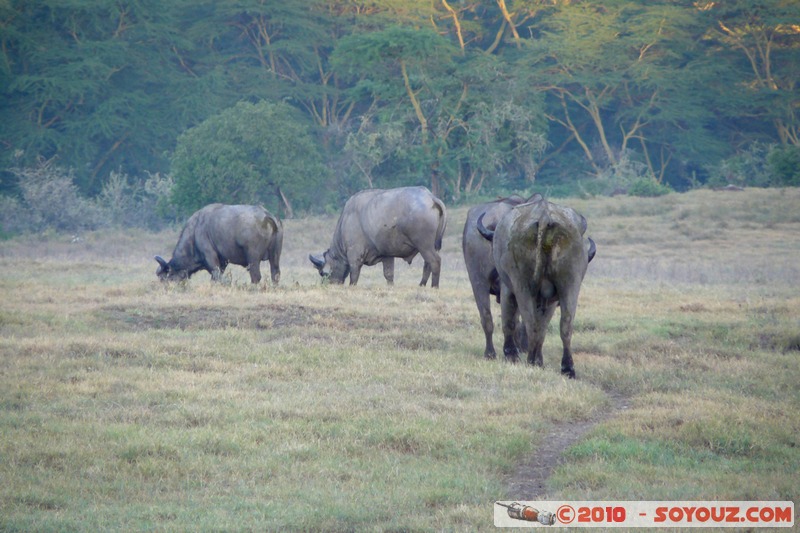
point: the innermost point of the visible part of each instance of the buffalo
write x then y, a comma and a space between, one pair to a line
220, 234
377, 225
480, 264
541, 258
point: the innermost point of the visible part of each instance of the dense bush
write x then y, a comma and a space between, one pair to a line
759, 165
627, 176
648, 187
49, 200
259, 153
747, 168
126, 202
784, 164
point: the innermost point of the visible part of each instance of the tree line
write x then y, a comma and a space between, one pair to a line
298, 104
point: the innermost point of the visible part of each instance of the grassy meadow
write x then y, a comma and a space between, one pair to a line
128, 405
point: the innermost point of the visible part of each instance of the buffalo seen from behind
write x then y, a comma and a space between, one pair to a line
541, 257
220, 234
479, 262
377, 225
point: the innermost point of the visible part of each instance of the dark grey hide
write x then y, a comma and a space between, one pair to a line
541, 258
480, 263
377, 225
220, 234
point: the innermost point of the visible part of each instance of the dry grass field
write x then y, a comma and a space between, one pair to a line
130, 405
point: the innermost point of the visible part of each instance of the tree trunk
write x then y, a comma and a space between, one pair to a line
287, 205
507, 16
456, 23
423, 122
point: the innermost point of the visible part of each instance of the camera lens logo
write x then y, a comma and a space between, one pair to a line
517, 511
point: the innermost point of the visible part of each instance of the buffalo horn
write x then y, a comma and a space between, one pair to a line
161, 262
319, 263
592, 250
487, 233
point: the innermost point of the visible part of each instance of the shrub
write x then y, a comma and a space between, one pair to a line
49, 199
126, 202
118, 200
618, 178
748, 168
784, 165
648, 187
250, 153
12, 217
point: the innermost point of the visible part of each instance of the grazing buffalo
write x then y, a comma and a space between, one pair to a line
541, 258
220, 234
480, 264
378, 225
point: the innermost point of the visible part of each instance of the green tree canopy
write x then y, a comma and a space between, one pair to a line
92, 83
250, 154
620, 81
760, 41
438, 115
461, 95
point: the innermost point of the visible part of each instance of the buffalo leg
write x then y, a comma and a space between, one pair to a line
213, 262
355, 272
483, 301
255, 271
275, 271
536, 315
254, 267
436, 269
216, 269
521, 337
388, 270
508, 308
426, 273
433, 267
482, 291
569, 304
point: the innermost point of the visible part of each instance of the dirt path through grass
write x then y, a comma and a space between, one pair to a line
529, 480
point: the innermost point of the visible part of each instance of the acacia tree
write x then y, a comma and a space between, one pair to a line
397, 69
435, 112
95, 84
499, 130
279, 50
250, 153
610, 73
761, 39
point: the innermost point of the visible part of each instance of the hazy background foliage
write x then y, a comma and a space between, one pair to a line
273, 102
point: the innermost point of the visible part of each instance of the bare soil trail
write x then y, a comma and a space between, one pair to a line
529, 480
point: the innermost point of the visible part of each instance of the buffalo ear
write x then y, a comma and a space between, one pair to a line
318, 262
162, 262
592, 250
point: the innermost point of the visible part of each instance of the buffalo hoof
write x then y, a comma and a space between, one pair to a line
490, 356
512, 358
569, 372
